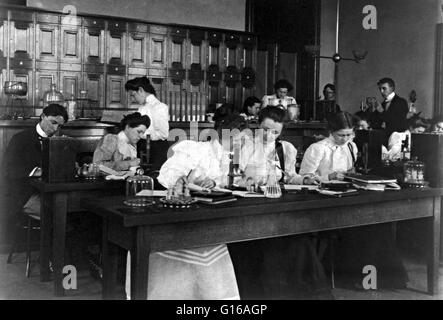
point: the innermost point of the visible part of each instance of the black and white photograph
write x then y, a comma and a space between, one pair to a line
221, 154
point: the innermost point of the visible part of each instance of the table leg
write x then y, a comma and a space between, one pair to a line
139, 265
45, 235
109, 260
59, 239
434, 249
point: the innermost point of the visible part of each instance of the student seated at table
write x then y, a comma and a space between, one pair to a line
251, 107
331, 159
196, 273
284, 267
24, 154
119, 151
437, 124
393, 152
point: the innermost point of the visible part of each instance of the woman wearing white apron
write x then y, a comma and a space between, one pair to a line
196, 273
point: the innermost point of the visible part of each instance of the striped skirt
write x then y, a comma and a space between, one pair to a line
204, 273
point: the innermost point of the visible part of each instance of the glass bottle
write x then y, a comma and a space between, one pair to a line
414, 172
272, 188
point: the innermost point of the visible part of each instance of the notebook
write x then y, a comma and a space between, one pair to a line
368, 178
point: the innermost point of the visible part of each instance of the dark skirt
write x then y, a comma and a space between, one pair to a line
370, 245
280, 268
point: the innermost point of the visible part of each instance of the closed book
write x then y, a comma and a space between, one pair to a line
216, 200
248, 194
338, 194
369, 178
214, 197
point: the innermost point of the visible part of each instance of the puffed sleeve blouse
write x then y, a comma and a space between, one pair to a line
325, 157
115, 152
257, 159
205, 159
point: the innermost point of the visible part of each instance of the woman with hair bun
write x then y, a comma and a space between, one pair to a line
331, 159
280, 98
205, 272
119, 151
144, 94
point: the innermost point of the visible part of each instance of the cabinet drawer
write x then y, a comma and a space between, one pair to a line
94, 23
117, 26
48, 18
137, 27
94, 68
158, 29
19, 15
15, 63
116, 70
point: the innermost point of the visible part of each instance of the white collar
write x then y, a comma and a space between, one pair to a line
330, 142
122, 137
390, 97
40, 131
150, 98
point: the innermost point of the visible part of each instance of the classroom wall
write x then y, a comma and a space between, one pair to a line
402, 47
226, 14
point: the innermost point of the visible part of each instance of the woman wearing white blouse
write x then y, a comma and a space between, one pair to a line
144, 94
280, 98
205, 272
332, 157
393, 153
277, 268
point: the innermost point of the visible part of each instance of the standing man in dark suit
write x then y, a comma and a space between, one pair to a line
395, 108
23, 156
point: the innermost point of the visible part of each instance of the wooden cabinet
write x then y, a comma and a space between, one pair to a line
43, 80
157, 51
22, 104
94, 83
116, 43
115, 90
94, 43
71, 44
99, 54
47, 37
137, 44
70, 83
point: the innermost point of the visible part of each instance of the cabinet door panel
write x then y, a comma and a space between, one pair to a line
115, 90
137, 50
94, 45
157, 48
214, 92
21, 40
43, 81
47, 42
23, 104
116, 48
71, 46
3, 36
94, 84
70, 84
234, 95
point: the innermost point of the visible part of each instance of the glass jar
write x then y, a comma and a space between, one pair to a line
272, 188
414, 172
139, 191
